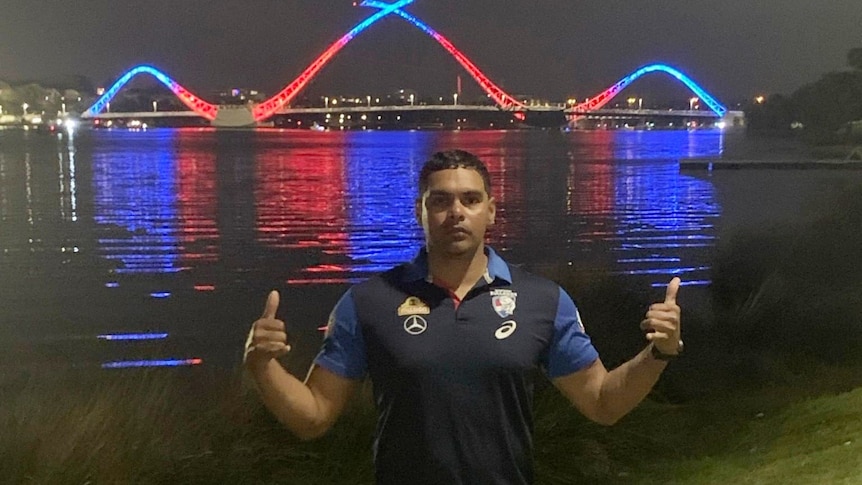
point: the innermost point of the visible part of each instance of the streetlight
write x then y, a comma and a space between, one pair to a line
456, 98
368, 98
326, 101
155, 106
411, 99
25, 106
691, 102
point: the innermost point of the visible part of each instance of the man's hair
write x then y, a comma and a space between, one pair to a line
453, 159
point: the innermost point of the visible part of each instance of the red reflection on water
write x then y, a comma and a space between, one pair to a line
197, 211
590, 185
299, 193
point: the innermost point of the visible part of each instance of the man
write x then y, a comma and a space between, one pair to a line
450, 342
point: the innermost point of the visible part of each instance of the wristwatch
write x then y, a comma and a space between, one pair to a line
659, 355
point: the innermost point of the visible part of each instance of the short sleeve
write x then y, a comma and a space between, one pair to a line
343, 350
571, 349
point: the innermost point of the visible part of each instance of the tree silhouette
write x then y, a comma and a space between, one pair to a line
854, 58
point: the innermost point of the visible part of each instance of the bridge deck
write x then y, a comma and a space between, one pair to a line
429, 107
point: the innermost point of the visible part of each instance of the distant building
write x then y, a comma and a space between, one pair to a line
239, 96
532, 100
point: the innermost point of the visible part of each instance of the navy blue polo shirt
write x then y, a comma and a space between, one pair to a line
453, 383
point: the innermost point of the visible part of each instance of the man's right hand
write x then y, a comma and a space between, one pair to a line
267, 339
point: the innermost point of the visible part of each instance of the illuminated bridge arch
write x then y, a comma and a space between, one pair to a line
500, 97
196, 104
605, 96
270, 106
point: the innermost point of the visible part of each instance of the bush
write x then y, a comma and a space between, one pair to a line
795, 291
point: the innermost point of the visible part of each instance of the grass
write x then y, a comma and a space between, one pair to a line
777, 434
769, 392
163, 428
765, 438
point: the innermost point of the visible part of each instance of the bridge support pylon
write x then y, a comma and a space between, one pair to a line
234, 116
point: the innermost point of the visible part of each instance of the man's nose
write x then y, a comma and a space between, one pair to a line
456, 209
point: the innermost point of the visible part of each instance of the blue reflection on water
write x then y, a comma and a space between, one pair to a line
381, 235
660, 216
125, 364
667, 144
133, 336
135, 195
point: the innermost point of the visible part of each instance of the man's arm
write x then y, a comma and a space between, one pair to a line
605, 397
308, 409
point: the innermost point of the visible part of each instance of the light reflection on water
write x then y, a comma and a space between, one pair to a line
169, 213
135, 201
349, 196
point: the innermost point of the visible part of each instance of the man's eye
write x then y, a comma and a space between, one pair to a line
472, 200
437, 201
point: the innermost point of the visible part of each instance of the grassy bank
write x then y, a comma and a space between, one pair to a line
770, 391
170, 429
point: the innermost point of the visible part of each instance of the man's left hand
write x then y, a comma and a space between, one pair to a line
662, 322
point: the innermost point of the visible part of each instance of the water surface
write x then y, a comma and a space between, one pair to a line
171, 238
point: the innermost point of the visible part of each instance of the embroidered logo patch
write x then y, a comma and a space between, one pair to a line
507, 328
503, 302
413, 306
414, 325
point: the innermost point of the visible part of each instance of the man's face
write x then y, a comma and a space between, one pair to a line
454, 211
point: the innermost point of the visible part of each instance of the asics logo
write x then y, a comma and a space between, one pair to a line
507, 328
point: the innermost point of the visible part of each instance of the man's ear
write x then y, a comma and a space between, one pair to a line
417, 208
492, 211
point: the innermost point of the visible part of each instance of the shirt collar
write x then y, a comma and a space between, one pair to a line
497, 268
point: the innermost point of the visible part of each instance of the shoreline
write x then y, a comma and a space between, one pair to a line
710, 164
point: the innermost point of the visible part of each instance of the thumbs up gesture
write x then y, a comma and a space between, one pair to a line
662, 322
267, 338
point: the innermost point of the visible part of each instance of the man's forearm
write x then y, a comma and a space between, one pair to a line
627, 385
289, 399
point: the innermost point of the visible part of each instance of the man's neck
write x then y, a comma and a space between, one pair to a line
458, 274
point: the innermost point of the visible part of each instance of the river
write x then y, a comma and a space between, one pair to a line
125, 248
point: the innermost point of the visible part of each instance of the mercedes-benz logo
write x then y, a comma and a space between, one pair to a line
414, 325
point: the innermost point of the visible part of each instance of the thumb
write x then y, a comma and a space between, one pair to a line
672, 289
271, 305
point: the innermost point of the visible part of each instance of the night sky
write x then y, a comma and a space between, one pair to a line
549, 48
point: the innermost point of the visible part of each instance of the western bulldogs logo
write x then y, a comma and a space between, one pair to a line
503, 302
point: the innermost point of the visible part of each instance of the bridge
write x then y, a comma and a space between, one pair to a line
604, 112
279, 104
